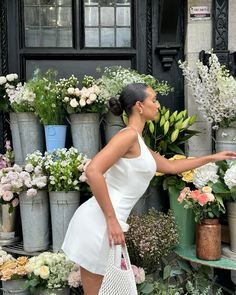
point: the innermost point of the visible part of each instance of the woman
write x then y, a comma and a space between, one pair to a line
118, 176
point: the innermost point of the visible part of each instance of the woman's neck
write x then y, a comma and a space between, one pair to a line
137, 124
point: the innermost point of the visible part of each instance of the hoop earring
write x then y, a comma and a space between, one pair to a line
141, 111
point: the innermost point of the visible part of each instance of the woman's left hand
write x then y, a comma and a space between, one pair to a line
226, 155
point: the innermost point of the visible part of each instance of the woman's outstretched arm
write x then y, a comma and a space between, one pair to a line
178, 166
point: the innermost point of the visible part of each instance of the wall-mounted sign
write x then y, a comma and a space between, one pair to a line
200, 12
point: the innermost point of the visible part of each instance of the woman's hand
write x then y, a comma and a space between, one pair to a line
226, 155
115, 233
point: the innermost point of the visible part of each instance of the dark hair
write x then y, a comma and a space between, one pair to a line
129, 96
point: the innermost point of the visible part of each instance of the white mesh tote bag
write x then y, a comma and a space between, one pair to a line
116, 280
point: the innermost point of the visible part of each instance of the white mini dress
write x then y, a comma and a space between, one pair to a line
86, 241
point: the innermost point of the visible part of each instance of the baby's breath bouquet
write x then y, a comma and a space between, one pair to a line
214, 90
48, 271
86, 99
115, 78
65, 169
151, 237
6, 82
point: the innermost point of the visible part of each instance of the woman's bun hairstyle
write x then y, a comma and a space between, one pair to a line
115, 106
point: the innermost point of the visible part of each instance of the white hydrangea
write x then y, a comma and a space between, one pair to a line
3, 80
204, 174
230, 177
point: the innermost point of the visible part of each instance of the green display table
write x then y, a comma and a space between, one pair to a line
188, 253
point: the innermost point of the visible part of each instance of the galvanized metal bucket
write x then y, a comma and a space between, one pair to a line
62, 207
35, 221
7, 222
16, 141
225, 139
85, 133
59, 291
31, 134
112, 125
14, 287
231, 214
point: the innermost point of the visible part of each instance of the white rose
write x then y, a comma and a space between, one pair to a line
88, 101
15, 76
44, 272
74, 103
77, 92
82, 102
31, 192
206, 189
92, 96
29, 168
70, 90
66, 99
210, 197
3, 80
10, 77
29, 267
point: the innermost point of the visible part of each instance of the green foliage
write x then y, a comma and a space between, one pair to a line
48, 104
169, 131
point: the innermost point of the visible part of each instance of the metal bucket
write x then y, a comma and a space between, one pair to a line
31, 134
85, 133
61, 291
14, 287
112, 125
7, 222
16, 142
225, 139
231, 213
35, 221
62, 207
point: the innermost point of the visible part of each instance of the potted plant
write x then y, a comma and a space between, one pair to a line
13, 274
48, 107
207, 209
214, 90
25, 127
84, 107
65, 170
48, 273
34, 204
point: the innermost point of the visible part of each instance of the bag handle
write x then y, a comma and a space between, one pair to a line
125, 253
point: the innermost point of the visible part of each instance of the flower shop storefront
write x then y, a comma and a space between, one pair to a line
61, 61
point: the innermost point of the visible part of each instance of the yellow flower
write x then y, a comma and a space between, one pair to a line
207, 189
177, 157
44, 272
187, 176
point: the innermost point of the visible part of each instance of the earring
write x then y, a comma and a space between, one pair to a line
141, 111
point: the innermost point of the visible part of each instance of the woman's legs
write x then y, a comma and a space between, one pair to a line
91, 282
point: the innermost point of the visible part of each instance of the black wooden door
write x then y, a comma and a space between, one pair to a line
75, 36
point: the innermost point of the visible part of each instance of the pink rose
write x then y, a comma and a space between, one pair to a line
139, 274
195, 194
202, 200
7, 196
183, 194
15, 202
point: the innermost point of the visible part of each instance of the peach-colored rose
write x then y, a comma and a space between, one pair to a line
20, 270
22, 260
195, 194
202, 200
6, 274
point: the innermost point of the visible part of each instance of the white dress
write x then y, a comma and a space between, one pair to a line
86, 240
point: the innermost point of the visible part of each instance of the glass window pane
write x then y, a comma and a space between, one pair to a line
31, 2
107, 37
49, 38
47, 2
91, 37
64, 2
32, 37
123, 16
31, 16
122, 2
123, 37
91, 16
64, 38
48, 16
90, 2
107, 16
64, 16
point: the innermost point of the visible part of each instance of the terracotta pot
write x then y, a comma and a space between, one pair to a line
208, 239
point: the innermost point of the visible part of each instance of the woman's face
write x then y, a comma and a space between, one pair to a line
150, 105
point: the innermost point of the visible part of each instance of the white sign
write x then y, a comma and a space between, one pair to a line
200, 12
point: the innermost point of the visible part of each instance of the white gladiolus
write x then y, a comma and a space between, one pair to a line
3, 80
230, 177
